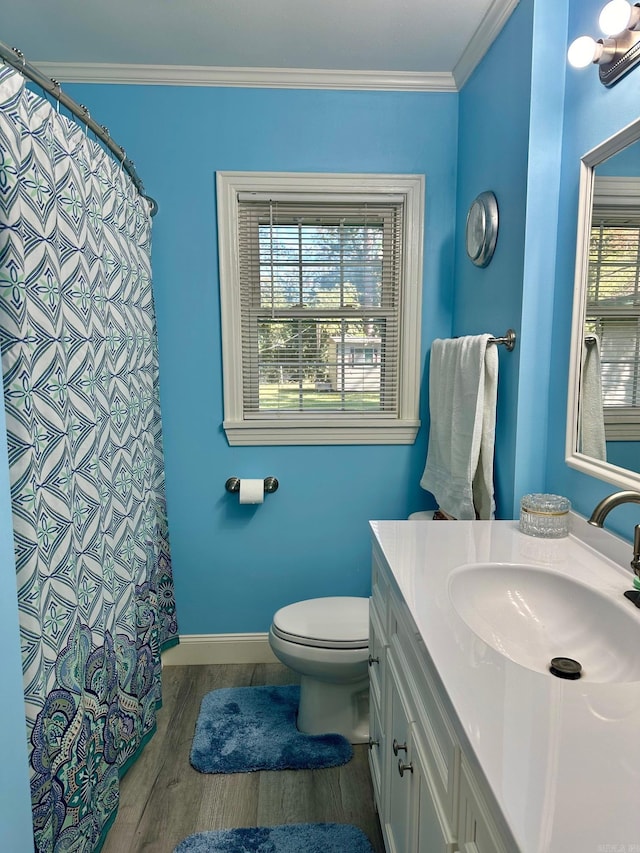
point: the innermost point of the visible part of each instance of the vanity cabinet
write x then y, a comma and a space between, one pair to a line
429, 798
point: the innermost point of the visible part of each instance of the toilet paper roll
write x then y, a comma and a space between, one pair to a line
251, 491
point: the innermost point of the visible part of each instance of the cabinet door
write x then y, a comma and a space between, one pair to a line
377, 655
376, 754
416, 820
477, 830
434, 832
400, 810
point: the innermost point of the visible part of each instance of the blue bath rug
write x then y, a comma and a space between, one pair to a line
291, 838
241, 729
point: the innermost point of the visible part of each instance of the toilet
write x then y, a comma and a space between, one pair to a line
326, 641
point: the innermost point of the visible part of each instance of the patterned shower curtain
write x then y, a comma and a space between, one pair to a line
80, 371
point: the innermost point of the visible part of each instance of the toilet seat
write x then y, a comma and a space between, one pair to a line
331, 623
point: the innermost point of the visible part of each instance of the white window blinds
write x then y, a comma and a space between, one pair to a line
320, 294
613, 304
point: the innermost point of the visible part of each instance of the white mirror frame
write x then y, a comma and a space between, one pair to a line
594, 467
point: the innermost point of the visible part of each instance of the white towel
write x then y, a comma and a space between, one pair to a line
591, 410
463, 384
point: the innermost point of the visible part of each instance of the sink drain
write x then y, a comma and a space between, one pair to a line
565, 668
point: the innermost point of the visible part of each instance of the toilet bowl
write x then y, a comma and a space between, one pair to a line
326, 641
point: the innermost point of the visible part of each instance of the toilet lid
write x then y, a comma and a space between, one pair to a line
340, 622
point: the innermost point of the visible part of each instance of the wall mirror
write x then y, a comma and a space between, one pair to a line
603, 415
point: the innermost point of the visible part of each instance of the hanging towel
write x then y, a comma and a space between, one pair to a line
591, 409
463, 383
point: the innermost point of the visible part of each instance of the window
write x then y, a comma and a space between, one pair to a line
320, 282
613, 308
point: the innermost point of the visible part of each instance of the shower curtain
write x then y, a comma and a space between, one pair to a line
80, 373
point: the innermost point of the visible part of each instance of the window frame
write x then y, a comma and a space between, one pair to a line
276, 428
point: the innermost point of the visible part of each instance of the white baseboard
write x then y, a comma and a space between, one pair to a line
196, 649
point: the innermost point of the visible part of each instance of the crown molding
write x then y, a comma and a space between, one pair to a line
271, 78
489, 29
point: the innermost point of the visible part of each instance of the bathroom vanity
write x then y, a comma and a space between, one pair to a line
474, 745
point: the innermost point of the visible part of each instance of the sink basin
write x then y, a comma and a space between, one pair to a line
530, 615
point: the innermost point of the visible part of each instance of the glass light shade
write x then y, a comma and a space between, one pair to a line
582, 51
615, 17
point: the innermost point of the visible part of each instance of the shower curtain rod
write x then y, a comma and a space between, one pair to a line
14, 57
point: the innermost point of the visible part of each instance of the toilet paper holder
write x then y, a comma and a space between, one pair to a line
270, 484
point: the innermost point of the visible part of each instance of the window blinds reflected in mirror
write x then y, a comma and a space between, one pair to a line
613, 300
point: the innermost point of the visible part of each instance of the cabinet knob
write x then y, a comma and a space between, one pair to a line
397, 747
373, 743
402, 767
373, 660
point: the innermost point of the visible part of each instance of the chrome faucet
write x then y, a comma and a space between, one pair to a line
603, 509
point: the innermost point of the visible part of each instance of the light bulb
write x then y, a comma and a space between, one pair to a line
615, 17
582, 51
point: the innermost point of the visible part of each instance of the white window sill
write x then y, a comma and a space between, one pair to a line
290, 432
621, 425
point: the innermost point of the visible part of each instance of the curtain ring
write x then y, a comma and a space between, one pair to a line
57, 93
87, 116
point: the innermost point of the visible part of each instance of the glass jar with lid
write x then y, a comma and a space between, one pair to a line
545, 516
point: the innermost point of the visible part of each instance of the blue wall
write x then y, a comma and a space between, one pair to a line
492, 155
537, 358
624, 454
234, 566
592, 113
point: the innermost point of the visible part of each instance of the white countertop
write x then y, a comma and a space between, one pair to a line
562, 757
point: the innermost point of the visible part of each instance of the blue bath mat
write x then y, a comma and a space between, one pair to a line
240, 729
291, 838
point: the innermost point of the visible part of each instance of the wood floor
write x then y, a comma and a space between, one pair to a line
163, 799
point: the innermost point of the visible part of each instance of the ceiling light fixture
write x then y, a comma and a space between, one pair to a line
619, 51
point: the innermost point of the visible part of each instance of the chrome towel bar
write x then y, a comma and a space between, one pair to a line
509, 340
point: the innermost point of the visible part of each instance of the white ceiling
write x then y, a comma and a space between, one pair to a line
416, 38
